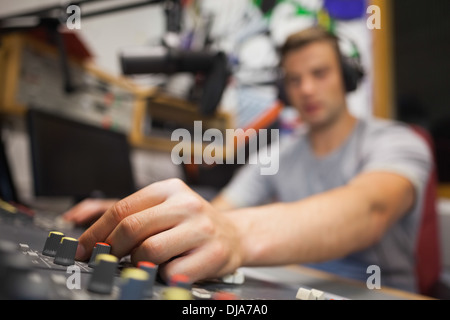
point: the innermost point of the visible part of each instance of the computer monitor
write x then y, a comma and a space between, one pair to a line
74, 159
7, 187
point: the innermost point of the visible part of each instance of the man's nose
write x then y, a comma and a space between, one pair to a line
307, 87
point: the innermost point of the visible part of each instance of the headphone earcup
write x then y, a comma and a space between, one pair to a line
352, 73
282, 95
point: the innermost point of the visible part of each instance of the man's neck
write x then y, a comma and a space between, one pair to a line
326, 139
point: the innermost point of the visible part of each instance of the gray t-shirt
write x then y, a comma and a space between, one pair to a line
374, 145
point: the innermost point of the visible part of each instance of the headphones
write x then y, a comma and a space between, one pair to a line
352, 69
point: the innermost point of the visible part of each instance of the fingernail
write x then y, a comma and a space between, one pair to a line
81, 251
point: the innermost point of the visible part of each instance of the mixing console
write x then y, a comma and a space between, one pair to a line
38, 263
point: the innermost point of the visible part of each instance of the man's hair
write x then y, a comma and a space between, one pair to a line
307, 36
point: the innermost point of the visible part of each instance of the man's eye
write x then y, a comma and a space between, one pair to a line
320, 73
292, 81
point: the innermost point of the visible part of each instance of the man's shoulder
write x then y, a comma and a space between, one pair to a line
377, 125
393, 134
377, 128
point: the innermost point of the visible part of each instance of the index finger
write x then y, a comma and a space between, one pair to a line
147, 197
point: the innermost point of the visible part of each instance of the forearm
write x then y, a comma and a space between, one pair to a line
322, 227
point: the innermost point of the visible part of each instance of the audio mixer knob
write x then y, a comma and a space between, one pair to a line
151, 269
52, 243
180, 280
176, 293
102, 278
99, 248
134, 282
65, 255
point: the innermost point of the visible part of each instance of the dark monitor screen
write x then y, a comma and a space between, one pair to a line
76, 159
7, 187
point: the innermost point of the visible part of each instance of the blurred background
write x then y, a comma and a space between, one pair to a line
108, 81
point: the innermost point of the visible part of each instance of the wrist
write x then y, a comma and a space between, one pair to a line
247, 248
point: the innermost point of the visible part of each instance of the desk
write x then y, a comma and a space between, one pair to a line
292, 277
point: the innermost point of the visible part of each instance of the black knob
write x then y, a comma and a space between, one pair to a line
151, 269
102, 278
99, 248
65, 255
52, 243
180, 280
134, 282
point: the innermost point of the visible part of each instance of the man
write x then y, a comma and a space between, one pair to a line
347, 195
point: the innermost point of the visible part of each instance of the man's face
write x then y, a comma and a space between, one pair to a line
314, 84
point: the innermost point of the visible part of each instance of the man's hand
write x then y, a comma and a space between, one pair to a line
170, 225
88, 210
